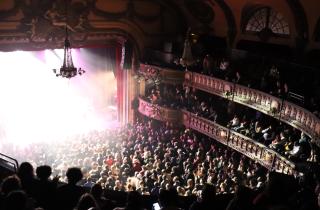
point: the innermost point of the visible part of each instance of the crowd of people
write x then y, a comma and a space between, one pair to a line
165, 162
143, 158
147, 158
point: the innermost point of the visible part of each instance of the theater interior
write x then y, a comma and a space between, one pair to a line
159, 104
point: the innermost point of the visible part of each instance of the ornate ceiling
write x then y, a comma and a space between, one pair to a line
39, 24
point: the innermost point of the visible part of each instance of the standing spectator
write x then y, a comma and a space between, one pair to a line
69, 194
206, 201
46, 188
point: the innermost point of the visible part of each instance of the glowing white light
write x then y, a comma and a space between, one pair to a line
37, 106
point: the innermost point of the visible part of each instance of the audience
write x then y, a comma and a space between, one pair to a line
169, 159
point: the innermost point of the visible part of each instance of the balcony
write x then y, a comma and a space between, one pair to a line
159, 113
166, 75
252, 149
285, 111
289, 113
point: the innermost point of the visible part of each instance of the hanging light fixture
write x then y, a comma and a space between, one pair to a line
187, 58
67, 70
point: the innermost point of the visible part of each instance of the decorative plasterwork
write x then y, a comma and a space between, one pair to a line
34, 24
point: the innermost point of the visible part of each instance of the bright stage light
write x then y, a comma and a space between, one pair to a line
37, 106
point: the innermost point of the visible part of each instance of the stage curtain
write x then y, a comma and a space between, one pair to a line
119, 73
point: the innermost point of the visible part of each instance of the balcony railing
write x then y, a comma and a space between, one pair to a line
254, 150
159, 113
290, 113
166, 75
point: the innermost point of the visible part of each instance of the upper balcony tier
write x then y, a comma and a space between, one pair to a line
283, 110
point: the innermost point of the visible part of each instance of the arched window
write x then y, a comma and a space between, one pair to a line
267, 19
258, 21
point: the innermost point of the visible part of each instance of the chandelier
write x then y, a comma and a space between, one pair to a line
187, 58
67, 70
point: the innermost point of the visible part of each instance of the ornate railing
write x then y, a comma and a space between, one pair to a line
164, 74
285, 111
254, 150
159, 113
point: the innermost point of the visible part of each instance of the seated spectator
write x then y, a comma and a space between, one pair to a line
288, 146
268, 134
234, 123
243, 125
257, 131
224, 64
278, 144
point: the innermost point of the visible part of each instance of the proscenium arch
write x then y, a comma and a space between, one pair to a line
121, 36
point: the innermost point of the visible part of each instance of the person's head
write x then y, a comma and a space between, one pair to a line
74, 175
134, 199
96, 190
43, 172
86, 201
16, 200
10, 184
208, 193
25, 170
168, 197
